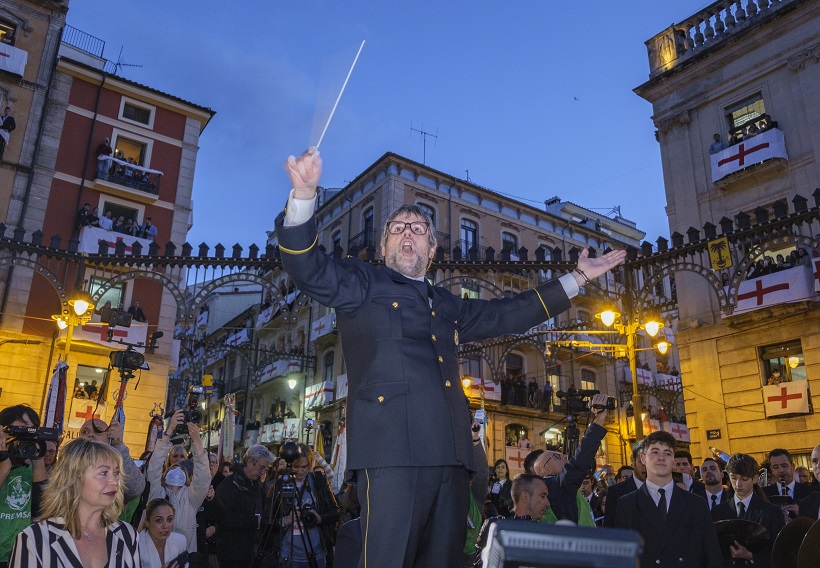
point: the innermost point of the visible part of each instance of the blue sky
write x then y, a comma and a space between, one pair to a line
532, 98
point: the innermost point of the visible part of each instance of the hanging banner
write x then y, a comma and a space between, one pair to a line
492, 391
319, 395
323, 326
238, 338
719, 255
341, 386
644, 376
785, 286
96, 332
765, 146
679, 431
515, 458
786, 398
291, 431
13, 59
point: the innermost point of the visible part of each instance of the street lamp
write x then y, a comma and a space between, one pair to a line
612, 318
80, 313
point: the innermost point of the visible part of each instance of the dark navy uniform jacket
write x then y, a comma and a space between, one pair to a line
405, 406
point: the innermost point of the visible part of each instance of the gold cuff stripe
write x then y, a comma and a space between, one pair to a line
289, 251
543, 305
367, 521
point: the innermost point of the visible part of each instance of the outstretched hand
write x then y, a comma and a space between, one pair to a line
304, 173
598, 266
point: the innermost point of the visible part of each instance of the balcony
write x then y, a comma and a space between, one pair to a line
719, 22
128, 180
365, 239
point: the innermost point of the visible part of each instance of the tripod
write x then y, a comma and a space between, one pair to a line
287, 502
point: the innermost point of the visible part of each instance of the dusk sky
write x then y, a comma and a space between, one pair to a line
533, 98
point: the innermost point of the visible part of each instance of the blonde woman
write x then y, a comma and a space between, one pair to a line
78, 526
160, 546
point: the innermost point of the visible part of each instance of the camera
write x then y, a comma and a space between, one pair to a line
308, 518
127, 361
28, 442
182, 560
575, 403
191, 412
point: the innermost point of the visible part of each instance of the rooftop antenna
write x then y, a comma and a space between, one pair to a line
120, 63
424, 136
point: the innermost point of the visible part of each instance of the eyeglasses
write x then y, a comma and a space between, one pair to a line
397, 227
554, 454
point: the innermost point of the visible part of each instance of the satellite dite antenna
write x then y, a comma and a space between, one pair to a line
120, 64
335, 104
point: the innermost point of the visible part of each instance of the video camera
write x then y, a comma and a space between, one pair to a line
576, 401
191, 412
290, 452
28, 442
127, 361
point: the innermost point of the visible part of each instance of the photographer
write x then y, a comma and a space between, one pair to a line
98, 430
186, 493
21, 481
239, 505
564, 477
309, 528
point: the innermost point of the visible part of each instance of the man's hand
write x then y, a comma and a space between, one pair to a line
115, 433
592, 268
600, 414
740, 551
175, 421
793, 509
304, 173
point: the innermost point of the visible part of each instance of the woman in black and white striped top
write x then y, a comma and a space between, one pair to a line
78, 526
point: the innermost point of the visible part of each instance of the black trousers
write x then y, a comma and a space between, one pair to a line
413, 516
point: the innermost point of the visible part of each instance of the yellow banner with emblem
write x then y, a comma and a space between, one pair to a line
719, 254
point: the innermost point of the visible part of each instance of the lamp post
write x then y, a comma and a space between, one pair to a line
610, 317
79, 314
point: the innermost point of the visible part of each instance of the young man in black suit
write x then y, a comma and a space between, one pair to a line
748, 504
408, 428
675, 525
630, 484
782, 467
713, 481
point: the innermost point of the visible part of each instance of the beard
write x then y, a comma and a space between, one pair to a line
410, 266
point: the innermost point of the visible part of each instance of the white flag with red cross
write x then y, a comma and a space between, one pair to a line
786, 398
492, 391
764, 146
96, 332
790, 285
515, 459
679, 431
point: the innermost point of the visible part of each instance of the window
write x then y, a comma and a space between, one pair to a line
587, 380
88, 382
336, 241
469, 291
582, 316
120, 210
515, 365
367, 229
509, 242
135, 113
471, 366
115, 294
547, 252
513, 433
469, 234
130, 149
429, 210
8, 32
330, 358
783, 362
744, 113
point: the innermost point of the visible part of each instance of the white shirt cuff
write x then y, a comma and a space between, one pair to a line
299, 211
567, 282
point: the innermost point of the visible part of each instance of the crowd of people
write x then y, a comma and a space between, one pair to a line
116, 167
88, 217
769, 265
744, 132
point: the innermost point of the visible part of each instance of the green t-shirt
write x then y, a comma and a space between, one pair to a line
15, 508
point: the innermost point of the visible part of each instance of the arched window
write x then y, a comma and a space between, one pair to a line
336, 240
509, 242
330, 359
587, 379
429, 210
515, 365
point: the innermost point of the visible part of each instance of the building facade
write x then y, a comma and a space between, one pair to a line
734, 90
154, 138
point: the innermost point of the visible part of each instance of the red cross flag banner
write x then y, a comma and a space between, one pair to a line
492, 391
82, 410
319, 395
791, 285
515, 459
13, 59
679, 431
95, 332
651, 425
323, 326
764, 146
644, 376
786, 398
91, 237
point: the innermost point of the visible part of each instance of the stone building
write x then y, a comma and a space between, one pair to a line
734, 90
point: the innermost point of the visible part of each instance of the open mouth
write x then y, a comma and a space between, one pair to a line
407, 247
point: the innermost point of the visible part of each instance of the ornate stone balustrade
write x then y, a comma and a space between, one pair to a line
706, 28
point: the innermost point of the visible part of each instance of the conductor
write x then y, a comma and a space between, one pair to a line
408, 426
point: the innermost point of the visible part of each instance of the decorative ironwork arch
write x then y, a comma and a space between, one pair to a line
669, 270
167, 283
532, 342
480, 282
34, 266
758, 248
205, 292
482, 354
